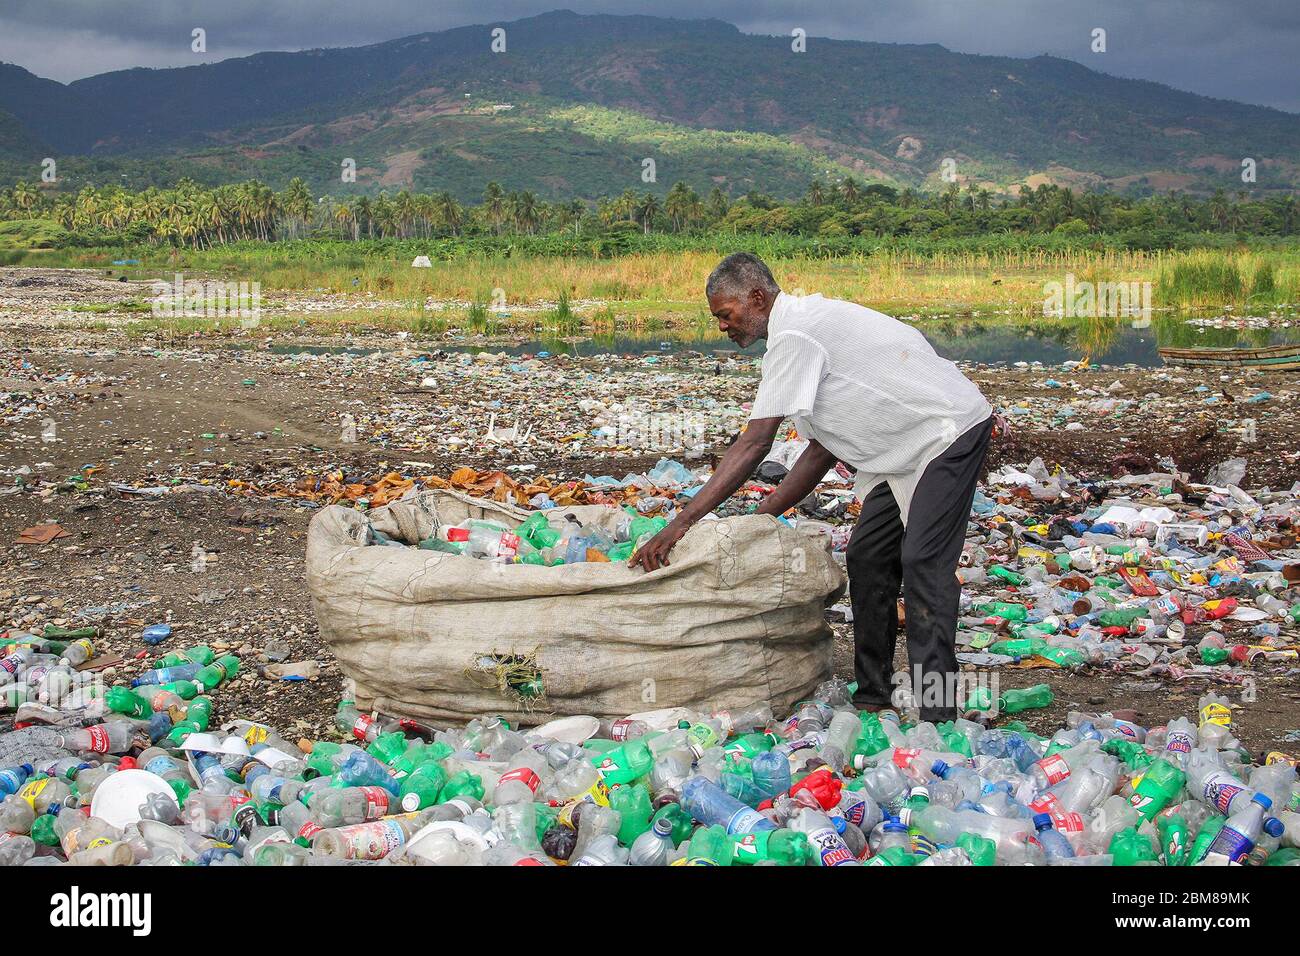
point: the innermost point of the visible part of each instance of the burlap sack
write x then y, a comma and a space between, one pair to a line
736, 618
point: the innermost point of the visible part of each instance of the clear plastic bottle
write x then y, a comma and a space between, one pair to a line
653, 847
829, 848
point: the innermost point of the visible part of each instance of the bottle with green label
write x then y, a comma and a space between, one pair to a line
1204, 837
218, 672
710, 846
783, 847
1173, 838
422, 786
199, 654
627, 762
1004, 610
632, 803
981, 850
1160, 784
461, 784
1131, 848
1029, 698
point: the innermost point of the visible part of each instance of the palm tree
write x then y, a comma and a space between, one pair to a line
646, 210
849, 191
25, 196
494, 205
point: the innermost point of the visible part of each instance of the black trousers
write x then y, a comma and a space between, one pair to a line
882, 556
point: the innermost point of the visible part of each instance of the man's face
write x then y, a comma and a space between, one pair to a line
744, 320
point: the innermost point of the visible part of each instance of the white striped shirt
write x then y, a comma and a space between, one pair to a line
869, 388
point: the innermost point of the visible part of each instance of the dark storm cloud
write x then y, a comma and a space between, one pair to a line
1227, 48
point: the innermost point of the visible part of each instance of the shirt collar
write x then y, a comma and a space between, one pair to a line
780, 305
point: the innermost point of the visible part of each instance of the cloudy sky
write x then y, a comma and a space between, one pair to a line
1236, 49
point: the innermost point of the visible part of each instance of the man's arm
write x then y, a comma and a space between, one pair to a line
807, 472
736, 465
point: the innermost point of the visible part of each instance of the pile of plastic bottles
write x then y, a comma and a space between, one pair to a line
828, 786
535, 541
1164, 586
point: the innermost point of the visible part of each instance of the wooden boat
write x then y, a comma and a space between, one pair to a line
1270, 357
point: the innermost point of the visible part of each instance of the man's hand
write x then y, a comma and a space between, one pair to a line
653, 555
737, 465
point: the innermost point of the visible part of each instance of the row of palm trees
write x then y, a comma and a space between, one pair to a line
197, 216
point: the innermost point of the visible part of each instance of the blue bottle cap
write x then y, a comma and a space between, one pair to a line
1262, 800
1042, 821
939, 768
1274, 827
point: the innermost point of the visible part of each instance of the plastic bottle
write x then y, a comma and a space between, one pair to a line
827, 847
1240, 832
711, 805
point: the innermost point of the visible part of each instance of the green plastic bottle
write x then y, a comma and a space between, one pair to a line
981, 850
1063, 656
1006, 574
122, 700
873, 739
955, 741
43, 831
460, 784
625, 763
748, 745
184, 689
1214, 655
709, 846
981, 698
1204, 837
1004, 610
1130, 848
1173, 838
218, 672
679, 818
783, 847
1133, 754
1019, 646
421, 787
1029, 698
632, 803
197, 716
1121, 616
1162, 782
388, 747
199, 654
894, 856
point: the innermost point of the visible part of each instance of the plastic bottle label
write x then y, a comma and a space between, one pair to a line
99, 742
32, 790
525, 775
1054, 768
618, 730
361, 726
376, 801
1235, 846
1178, 743
831, 850
744, 820
1216, 714
1220, 789
371, 841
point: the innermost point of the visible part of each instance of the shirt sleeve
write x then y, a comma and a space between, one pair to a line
793, 367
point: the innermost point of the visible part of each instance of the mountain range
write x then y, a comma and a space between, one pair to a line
575, 105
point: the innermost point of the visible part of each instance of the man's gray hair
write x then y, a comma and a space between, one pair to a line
738, 275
